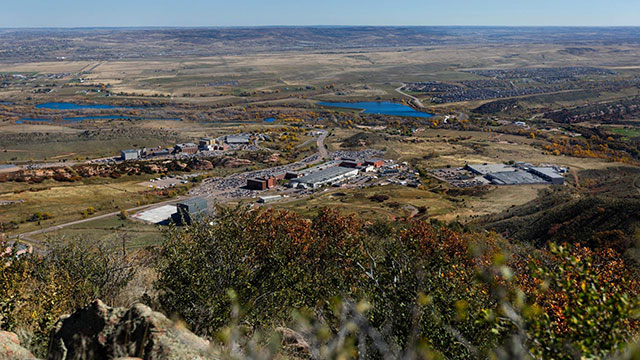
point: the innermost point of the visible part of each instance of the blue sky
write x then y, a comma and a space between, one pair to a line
77, 13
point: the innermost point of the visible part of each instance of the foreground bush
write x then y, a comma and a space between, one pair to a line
35, 290
420, 282
279, 261
349, 288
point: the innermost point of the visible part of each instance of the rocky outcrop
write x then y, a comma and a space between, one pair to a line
79, 171
235, 162
203, 165
273, 158
10, 348
100, 332
294, 342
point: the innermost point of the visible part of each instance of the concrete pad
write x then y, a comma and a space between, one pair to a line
157, 215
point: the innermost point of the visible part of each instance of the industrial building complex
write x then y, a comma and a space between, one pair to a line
330, 175
519, 173
183, 213
205, 144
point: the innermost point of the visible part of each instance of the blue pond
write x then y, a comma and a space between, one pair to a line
380, 108
72, 106
98, 117
269, 120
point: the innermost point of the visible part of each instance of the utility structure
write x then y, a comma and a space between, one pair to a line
189, 211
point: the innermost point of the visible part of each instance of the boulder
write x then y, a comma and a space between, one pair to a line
10, 348
203, 165
272, 159
294, 342
100, 332
151, 169
235, 162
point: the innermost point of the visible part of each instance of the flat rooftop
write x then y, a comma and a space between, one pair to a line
484, 169
324, 175
237, 138
547, 171
157, 215
515, 178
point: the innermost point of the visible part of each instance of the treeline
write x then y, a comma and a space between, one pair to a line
596, 143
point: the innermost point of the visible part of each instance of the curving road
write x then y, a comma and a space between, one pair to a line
322, 153
414, 99
322, 149
28, 236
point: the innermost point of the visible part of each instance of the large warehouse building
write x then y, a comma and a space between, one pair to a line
521, 173
485, 169
548, 174
326, 176
238, 139
518, 177
132, 154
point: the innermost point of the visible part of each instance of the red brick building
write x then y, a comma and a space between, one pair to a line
188, 148
351, 163
375, 162
261, 183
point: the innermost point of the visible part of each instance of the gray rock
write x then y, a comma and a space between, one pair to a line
100, 332
10, 348
294, 342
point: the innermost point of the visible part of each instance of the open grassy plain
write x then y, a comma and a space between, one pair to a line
66, 202
436, 148
113, 231
347, 74
216, 90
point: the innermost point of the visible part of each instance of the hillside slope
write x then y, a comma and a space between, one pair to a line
599, 208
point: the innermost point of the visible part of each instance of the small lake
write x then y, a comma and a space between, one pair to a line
269, 120
73, 106
380, 108
97, 117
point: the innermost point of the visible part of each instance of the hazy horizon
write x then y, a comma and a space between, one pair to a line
310, 26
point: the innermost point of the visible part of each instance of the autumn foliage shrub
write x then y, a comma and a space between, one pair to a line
35, 290
278, 261
461, 294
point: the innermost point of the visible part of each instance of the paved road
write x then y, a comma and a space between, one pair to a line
415, 100
32, 241
322, 152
